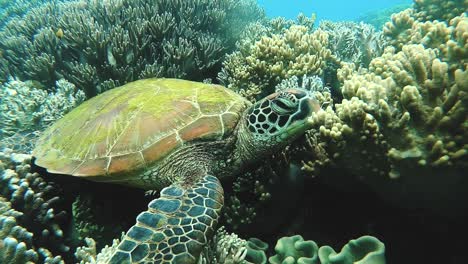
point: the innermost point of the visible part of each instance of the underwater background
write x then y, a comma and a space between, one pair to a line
380, 178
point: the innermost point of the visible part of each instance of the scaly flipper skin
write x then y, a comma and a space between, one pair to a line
176, 226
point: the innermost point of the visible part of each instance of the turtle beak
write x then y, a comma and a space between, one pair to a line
314, 107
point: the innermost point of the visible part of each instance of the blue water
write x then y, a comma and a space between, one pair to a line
336, 10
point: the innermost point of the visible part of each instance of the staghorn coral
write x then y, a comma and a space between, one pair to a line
98, 45
257, 68
354, 42
35, 199
27, 109
16, 8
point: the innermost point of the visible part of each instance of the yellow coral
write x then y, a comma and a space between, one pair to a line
408, 114
295, 52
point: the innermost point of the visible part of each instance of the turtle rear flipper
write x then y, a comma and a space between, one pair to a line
176, 226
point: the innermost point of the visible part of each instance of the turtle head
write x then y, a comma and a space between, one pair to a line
273, 122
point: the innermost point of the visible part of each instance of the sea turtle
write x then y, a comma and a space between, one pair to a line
174, 134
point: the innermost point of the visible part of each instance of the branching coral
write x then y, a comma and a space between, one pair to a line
26, 109
251, 192
405, 116
450, 38
15, 241
257, 68
16, 8
428, 10
353, 42
35, 199
227, 248
97, 45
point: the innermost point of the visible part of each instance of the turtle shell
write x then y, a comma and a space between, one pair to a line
134, 126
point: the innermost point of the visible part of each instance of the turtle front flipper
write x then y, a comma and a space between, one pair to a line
176, 226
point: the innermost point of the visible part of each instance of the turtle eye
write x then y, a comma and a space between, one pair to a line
284, 105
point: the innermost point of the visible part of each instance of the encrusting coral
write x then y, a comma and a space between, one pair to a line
97, 45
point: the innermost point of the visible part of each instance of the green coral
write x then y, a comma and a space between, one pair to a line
364, 250
292, 250
97, 50
16, 8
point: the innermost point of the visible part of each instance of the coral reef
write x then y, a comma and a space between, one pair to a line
35, 200
15, 241
257, 68
428, 10
228, 248
404, 116
378, 18
449, 38
98, 45
16, 8
353, 42
26, 109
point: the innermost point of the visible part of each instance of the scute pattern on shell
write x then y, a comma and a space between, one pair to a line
136, 125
